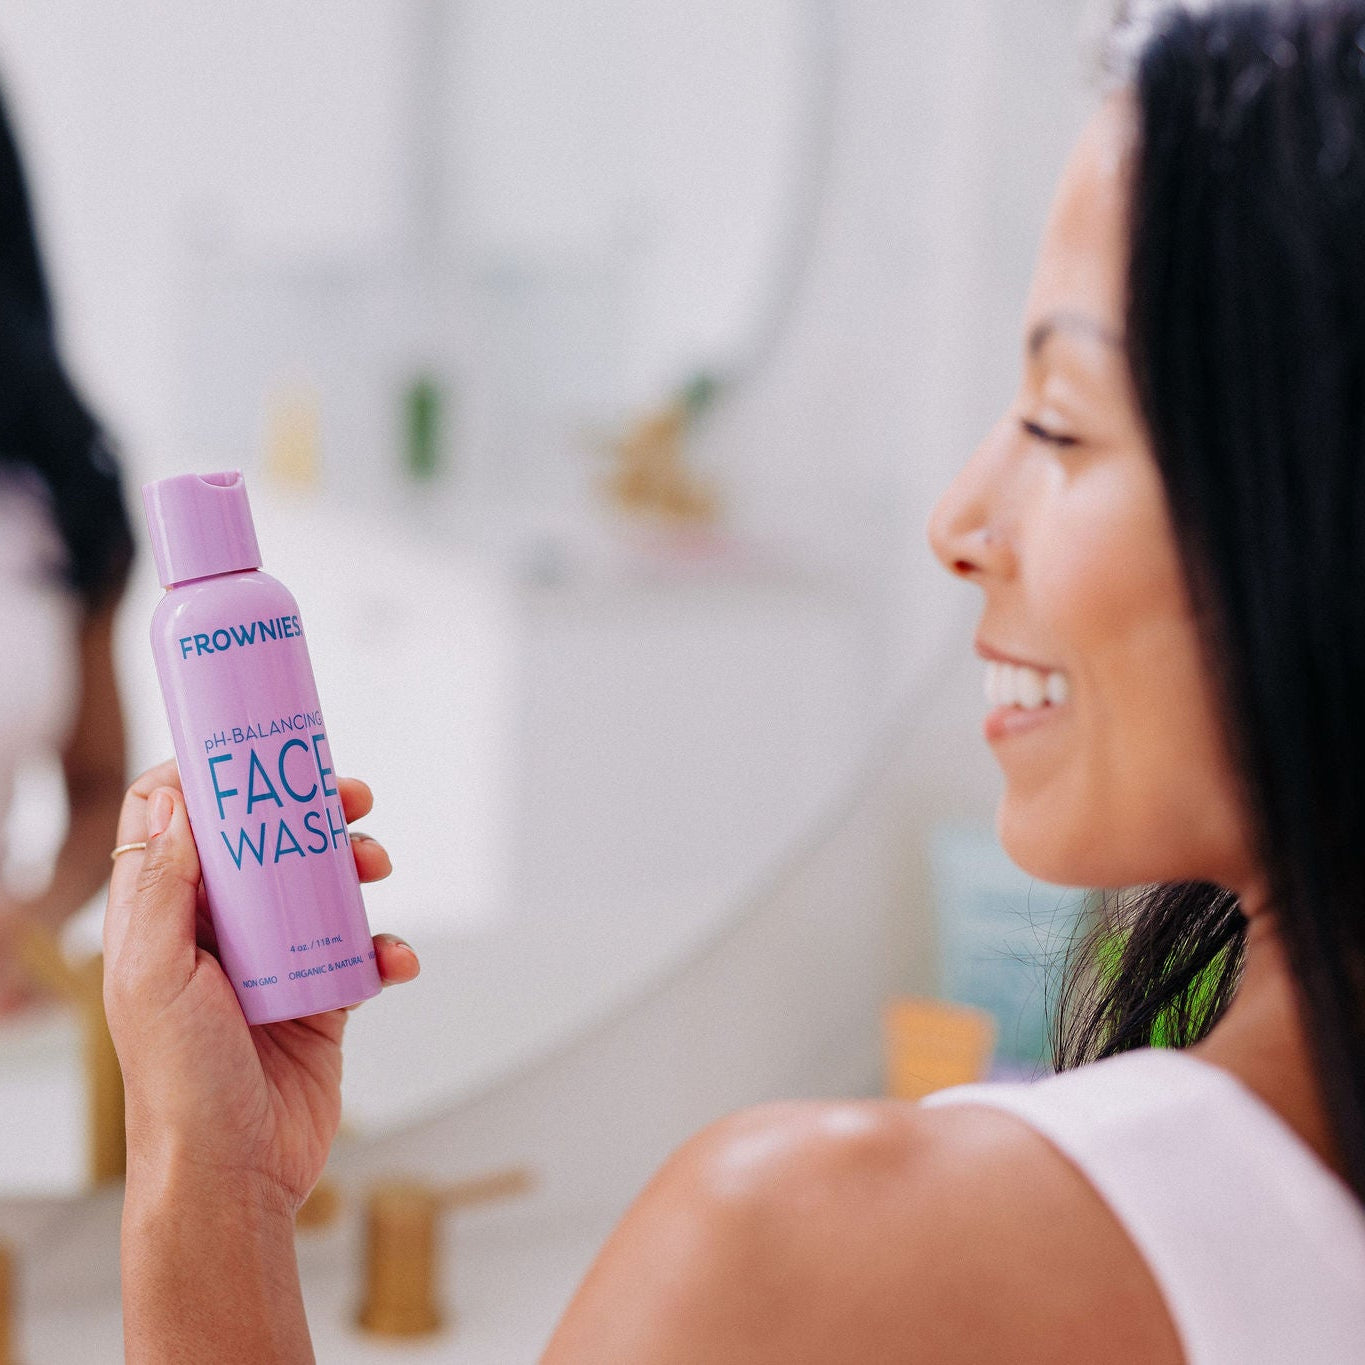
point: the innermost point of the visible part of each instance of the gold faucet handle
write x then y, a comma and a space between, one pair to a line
484, 1188
402, 1247
401, 1260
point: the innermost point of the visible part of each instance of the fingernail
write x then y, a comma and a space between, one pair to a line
159, 811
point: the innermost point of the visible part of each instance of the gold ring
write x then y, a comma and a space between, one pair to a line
126, 848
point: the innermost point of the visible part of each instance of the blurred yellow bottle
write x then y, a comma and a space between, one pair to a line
293, 437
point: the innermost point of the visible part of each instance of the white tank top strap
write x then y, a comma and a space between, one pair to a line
1257, 1247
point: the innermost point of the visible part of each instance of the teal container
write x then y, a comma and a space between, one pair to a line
1002, 939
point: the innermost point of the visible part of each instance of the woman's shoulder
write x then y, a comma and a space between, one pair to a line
959, 1232
880, 1230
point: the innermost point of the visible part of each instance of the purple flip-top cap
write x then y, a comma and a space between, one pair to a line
200, 525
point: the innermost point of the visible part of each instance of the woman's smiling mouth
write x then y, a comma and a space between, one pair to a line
1022, 696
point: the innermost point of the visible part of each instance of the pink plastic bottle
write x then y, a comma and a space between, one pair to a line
255, 762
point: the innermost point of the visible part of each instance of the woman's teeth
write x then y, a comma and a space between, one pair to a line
1030, 689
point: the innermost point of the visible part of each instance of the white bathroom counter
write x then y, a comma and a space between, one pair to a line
505, 1281
505, 1284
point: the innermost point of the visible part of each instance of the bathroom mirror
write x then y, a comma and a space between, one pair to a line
266, 226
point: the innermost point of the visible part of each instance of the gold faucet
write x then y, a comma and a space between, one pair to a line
401, 1248
652, 478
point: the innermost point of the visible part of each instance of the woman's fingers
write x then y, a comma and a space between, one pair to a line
132, 820
149, 927
397, 961
357, 800
371, 858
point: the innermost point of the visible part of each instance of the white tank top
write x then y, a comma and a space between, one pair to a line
1258, 1249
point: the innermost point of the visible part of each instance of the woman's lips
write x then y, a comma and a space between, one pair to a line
1005, 722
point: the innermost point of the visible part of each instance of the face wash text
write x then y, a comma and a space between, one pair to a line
272, 800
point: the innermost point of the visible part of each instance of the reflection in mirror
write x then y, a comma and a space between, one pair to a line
65, 546
479, 273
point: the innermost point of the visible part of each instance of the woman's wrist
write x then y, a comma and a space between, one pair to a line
171, 1172
208, 1265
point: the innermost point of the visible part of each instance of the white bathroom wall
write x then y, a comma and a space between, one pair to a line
647, 130
952, 122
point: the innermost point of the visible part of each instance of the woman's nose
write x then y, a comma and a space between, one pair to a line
964, 530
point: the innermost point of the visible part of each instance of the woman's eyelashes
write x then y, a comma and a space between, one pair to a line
1052, 438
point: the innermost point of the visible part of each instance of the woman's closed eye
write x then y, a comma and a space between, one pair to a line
1052, 438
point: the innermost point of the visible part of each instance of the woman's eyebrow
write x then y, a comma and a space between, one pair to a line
1078, 323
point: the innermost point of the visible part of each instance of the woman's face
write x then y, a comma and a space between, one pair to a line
1102, 716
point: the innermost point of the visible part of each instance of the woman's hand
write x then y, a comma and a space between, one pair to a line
253, 1110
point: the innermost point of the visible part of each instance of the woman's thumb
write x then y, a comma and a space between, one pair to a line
150, 926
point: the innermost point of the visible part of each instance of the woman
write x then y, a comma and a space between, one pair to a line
1166, 529
65, 550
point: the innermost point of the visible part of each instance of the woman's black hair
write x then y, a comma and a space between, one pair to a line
1246, 341
44, 425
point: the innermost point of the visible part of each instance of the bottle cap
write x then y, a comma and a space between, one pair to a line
200, 525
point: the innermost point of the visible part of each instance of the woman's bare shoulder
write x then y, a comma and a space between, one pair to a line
867, 1230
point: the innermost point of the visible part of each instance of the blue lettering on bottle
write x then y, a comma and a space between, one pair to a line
309, 823
244, 843
220, 792
301, 797
284, 832
242, 634
337, 831
323, 771
270, 794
